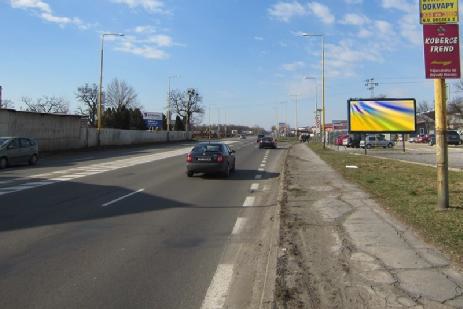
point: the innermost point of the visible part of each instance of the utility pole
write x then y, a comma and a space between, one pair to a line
1, 97
371, 84
441, 145
297, 126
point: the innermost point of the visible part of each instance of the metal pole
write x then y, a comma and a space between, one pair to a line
209, 121
403, 141
323, 91
297, 124
441, 145
168, 107
101, 86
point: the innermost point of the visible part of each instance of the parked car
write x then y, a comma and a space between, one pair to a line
453, 138
18, 150
422, 138
412, 138
242, 136
268, 142
371, 141
339, 139
353, 141
208, 157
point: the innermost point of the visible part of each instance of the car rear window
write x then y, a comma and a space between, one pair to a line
453, 133
208, 148
267, 139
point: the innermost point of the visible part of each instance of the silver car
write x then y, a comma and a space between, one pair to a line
375, 141
18, 150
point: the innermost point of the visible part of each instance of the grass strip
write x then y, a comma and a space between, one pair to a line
409, 191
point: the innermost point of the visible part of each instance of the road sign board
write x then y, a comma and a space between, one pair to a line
152, 120
442, 51
438, 11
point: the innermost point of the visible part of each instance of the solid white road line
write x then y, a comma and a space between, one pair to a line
249, 201
238, 225
258, 176
218, 290
254, 187
121, 198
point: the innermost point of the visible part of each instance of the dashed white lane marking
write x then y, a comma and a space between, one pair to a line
122, 197
254, 187
262, 165
258, 176
218, 290
240, 222
264, 161
249, 201
260, 169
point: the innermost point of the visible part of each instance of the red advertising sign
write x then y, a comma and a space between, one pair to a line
442, 51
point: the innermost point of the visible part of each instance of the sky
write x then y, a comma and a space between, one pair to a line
247, 58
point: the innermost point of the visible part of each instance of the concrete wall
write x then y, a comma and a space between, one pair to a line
65, 132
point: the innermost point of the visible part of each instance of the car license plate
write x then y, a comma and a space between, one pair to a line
204, 159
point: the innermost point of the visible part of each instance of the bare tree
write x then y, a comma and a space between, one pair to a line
7, 104
119, 94
187, 104
46, 104
423, 107
87, 95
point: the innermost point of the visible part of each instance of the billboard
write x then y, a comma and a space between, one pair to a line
152, 120
382, 115
441, 51
438, 11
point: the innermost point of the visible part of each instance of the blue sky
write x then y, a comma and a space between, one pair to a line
244, 56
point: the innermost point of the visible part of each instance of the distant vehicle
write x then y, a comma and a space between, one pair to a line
422, 138
352, 141
339, 140
242, 136
371, 141
18, 150
412, 138
453, 138
259, 137
268, 142
210, 158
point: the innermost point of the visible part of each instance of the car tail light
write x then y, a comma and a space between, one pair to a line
219, 158
189, 158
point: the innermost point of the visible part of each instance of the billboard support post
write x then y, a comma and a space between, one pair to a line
403, 142
441, 145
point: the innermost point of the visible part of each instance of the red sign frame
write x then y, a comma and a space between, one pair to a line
442, 51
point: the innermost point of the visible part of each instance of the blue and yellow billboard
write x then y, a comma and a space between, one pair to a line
382, 115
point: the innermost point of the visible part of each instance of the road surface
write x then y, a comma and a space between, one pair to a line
127, 229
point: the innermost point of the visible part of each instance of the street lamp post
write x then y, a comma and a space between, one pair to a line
316, 97
322, 36
297, 126
100, 92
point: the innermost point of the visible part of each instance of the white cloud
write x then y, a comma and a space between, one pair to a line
43, 10
401, 5
144, 29
154, 6
161, 40
321, 11
258, 38
364, 33
146, 51
284, 11
355, 20
384, 27
410, 30
353, 1
293, 66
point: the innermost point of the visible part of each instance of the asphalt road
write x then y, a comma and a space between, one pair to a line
420, 153
127, 229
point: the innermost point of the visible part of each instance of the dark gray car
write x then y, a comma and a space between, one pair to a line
210, 158
18, 150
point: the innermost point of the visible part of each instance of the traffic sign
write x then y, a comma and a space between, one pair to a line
442, 51
438, 11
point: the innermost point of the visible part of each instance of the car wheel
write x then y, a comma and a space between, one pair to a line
368, 146
33, 160
389, 145
190, 174
3, 163
226, 173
